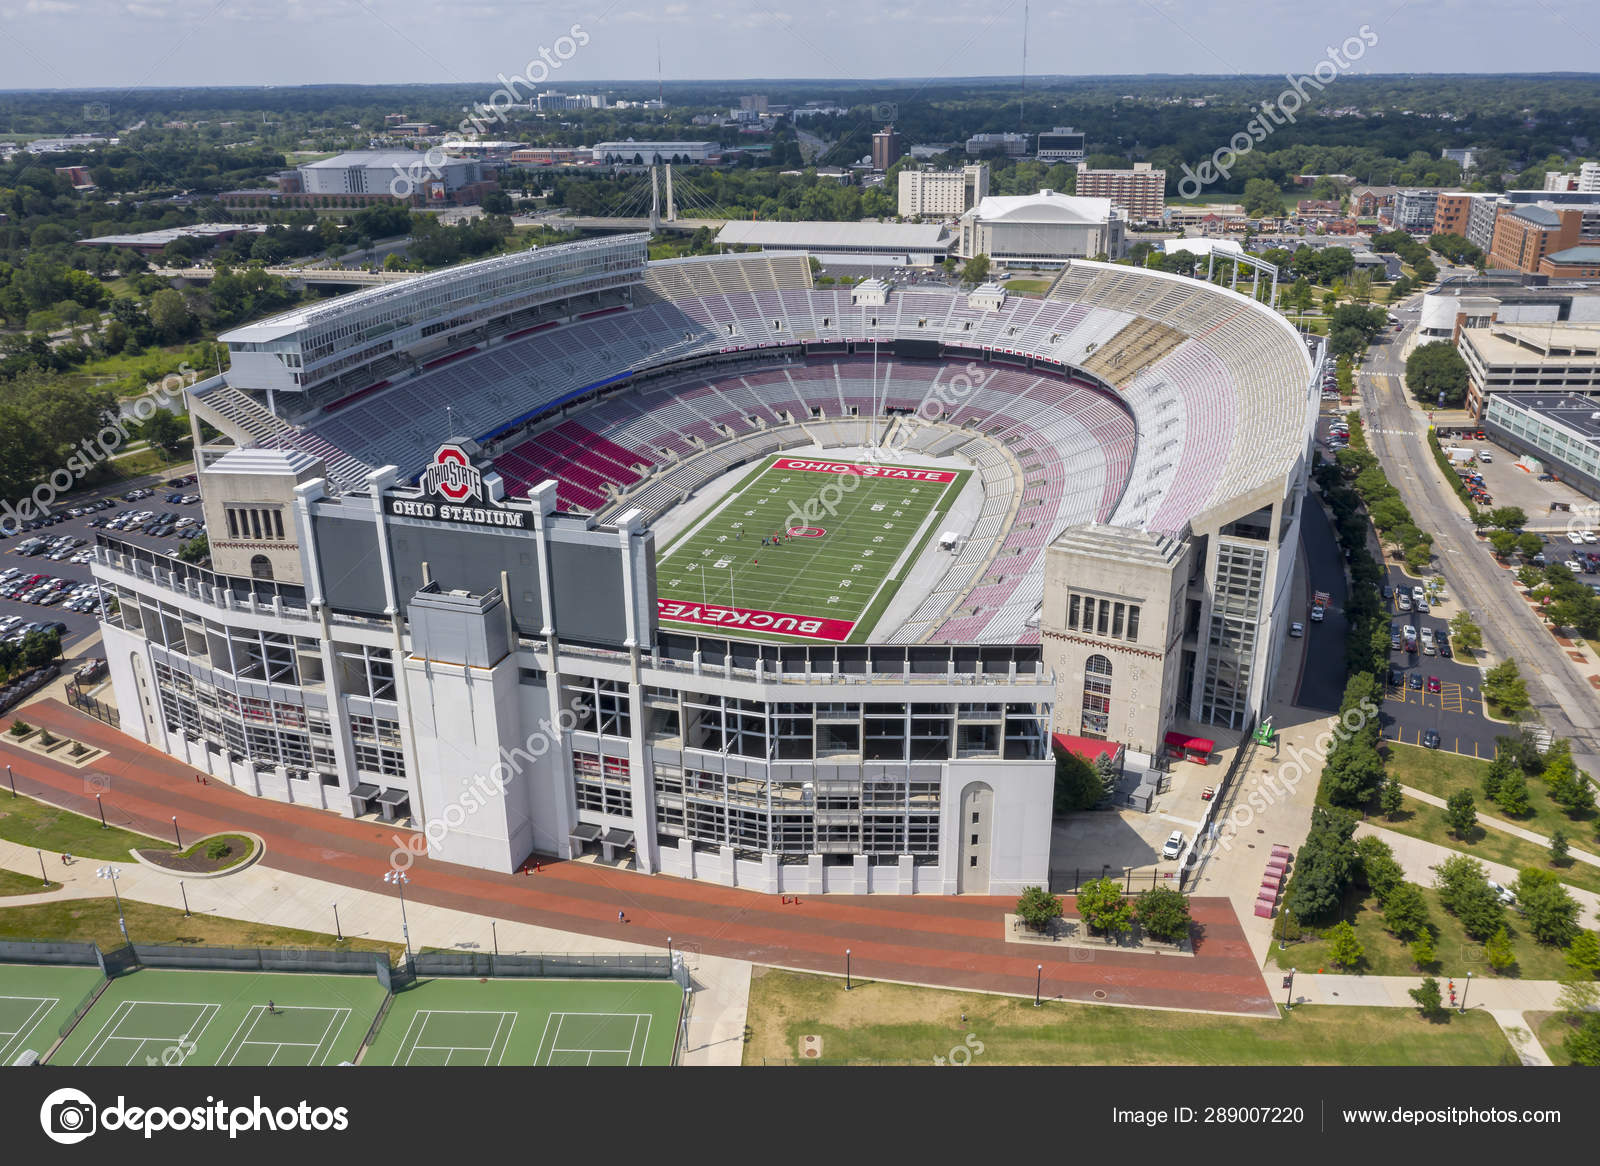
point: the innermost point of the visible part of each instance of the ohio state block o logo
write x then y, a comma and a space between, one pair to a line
805, 532
452, 475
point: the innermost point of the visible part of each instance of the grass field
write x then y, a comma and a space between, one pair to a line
56, 831
1442, 774
95, 921
12, 883
160, 1016
35, 1001
847, 537
530, 1022
901, 1025
1427, 823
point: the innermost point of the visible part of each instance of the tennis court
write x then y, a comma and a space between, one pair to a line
530, 1022
165, 1017
35, 1001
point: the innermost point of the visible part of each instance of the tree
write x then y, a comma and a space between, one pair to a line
1464, 891
1558, 849
1262, 199
1583, 1044
1164, 913
1104, 907
1583, 953
1345, 950
1379, 870
1405, 912
1512, 797
1502, 542
196, 550
170, 315
1038, 908
1392, 799
164, 431
1429, 1001
1504, 687
1506, 517
1498, 951
976, 270
1494, 777
1436, 374
39, 648
1550, 912
1570, 788
1460, 814
1466, 634
1422, 950
1078, 785
1324, 866
1353, 772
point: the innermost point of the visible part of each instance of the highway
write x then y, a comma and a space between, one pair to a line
1397, 433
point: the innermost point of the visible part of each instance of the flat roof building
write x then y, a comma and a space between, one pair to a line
1561, 431
1045, 228
1503, 358
631, 152
913, 244
1141, 192
928, 193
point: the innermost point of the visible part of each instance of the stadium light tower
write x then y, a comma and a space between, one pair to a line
111, 872
398, 879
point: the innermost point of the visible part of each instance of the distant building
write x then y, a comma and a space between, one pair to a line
150, 242
1589, 178
1413, 209
413, 129
551, 156
1504, 358
378, 174
1367, 201
861, 244
651, 153
1062, 144
887, 148
1561, 431
926, 193
1572, 263
755, 103
1217, 216
1451, 211
1525, 235
1140, 192
1316, 208
1047, 228
77, 175
1557, 180
1466, 159
1011, 145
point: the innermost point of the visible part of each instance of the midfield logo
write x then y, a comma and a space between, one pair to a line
452, 476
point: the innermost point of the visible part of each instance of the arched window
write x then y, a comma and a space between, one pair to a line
1096, 697
260, 567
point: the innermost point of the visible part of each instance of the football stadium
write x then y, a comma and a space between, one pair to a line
702, 568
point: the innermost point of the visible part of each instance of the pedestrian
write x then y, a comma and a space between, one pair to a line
66, 859
620, 919
272, 1007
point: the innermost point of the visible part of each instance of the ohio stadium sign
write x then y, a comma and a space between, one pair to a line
446, 487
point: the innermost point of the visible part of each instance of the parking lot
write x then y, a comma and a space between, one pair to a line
1511, 485
1432, 693
49, 599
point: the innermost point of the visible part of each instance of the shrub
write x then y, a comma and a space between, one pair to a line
46, 737
220, 849
20, 728
1164, 913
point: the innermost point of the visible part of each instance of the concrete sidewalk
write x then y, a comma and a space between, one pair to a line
261, 894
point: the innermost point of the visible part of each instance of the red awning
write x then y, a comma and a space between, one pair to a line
1193, 744
1089, 748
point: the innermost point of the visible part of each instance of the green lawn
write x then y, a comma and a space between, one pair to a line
12, 883
1027, 286
841, 558
472, 1023
1551, 1028
896, 1024
95, 921
56, 831
1427, 823
239, 849
1442, 774
1458, 953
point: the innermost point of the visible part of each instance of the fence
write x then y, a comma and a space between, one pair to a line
1132, 878
98, 709
564, 965
259, 959
49, 951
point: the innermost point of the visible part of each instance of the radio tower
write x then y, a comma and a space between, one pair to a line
661, 97
1022, 98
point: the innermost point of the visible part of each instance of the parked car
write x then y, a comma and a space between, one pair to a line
1430, 739
1433, 684
1502, 893
1414, 682
1297, 628
1173, 846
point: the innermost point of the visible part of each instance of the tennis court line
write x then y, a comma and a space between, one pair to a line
41, 1004
253, 1019
185, 1042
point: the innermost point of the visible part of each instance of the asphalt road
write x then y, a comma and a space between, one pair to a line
1323, 670
1567, 706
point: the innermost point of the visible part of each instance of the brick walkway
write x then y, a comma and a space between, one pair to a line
942, 940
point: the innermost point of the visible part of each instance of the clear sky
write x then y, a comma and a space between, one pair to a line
107, 43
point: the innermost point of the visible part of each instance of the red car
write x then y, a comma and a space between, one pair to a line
1433, 684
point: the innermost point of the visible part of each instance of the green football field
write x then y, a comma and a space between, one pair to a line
846, 534
159, 1016
468, 1022
35, 1001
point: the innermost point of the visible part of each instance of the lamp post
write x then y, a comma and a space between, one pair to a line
176, 837
398, 880
46, 877
494, 936
338, 935
1467, 987
12, 778
669, 955
1288, 986
184, 891
1038, 985
101, 806
847, 969
111, 872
